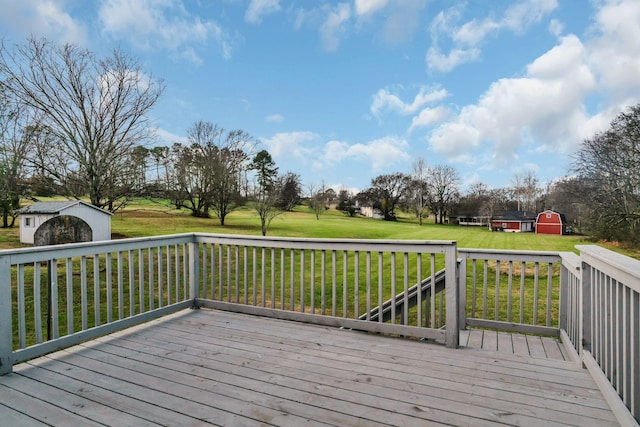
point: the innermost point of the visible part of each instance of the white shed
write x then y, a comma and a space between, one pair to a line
34, 216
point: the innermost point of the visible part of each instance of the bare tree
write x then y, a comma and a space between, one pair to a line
386, 191
418, 189
95, 108
317, 199
525, 189
13, 148
443, 190
609, 167
206, 174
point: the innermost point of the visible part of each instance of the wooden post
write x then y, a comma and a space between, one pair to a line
452, 333
585, 309
462, 289
6, 336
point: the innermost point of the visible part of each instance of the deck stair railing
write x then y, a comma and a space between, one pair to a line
397, 305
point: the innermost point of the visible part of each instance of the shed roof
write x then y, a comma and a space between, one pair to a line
522, 216
57, 207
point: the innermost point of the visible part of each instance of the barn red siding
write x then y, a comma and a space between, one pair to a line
549, 222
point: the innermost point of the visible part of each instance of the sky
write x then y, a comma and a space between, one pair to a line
340, 92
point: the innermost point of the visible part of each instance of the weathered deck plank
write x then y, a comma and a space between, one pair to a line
211, 367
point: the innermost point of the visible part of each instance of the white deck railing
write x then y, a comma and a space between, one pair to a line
53, 297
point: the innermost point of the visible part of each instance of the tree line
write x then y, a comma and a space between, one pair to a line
76, 125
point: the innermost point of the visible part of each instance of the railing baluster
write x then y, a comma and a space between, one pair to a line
405, 318
255, 275
152, 297
509, 291
368, 283
419, 293
345, 282
204, 269
221, 277
312, 298
323, 282
230, 277
292, 284
245, 274
169, 275
120, 286
69, 283
393, 288
356, 285
96, 290
549, 291
473, 287
37, 298
263, 279
497, 293
536, 292
380, 286
177, 271
237, 273
160, 277
141, 281
282, 283
523, 269
185, 273
432, 299
273, 278
22, 329
334, 280
53, 315
132, 294
109, 284
484, 288
302, 271
83, 291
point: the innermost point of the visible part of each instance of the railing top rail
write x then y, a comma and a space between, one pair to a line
570, 260
620, 267
329, 244
45, 253
509, 255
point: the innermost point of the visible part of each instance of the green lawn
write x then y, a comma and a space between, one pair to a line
138, 221
147, 218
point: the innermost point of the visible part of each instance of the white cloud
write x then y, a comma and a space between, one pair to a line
615, 52
274, 118
428, 117
333, 27
366, 7
291, 144
42, 18
546, 106
166, 138
465, 39
385, 100
259, 8
160, 24
381, 152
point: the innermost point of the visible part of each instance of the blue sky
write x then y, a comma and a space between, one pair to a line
342, 91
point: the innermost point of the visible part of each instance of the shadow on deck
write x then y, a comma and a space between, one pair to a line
199, 367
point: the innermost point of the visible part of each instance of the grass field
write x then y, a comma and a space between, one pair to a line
147, 218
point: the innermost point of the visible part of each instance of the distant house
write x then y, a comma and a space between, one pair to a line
551, 222
466, 218
371, 212
513, 221
63, 222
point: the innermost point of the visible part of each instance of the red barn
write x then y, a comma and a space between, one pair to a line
551, 222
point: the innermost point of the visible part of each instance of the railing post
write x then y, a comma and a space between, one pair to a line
452, 333
6, 335
585, 308
462, 288
194, 271
564, 296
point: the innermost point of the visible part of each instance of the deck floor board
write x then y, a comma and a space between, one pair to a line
208, 367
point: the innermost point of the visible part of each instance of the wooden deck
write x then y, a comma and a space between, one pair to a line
201, 367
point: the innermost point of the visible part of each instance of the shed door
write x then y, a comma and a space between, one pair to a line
62, 229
